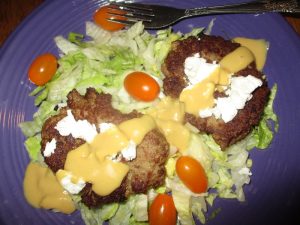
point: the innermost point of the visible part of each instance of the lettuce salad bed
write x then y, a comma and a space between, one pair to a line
101, 62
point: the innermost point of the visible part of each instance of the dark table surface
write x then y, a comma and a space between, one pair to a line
12, 12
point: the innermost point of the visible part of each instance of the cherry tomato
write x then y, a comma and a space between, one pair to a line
102, 14
162, 211
141, 86
42, 69
192, 174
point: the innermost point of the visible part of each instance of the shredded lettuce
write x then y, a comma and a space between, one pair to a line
33, 146
132, 221
132, 211
263, 133
31, 128
140, 210
182, 201
65, 46
198, 150
171, 167
92, 216
76, 38
199, 208
123, 215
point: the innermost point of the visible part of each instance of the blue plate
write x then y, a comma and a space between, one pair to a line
273, 194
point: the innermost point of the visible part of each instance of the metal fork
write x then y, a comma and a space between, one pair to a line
158, 16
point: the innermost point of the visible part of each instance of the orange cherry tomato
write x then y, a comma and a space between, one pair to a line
162, 211
42, 69
192, 174
141, 86
102, 14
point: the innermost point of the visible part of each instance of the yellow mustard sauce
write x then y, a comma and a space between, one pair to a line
136, 129
42, 190
169, 118
201, 95
93, 162
60, 174
237, 60
259, 48
224, 77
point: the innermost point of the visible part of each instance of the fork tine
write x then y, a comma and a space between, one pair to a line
125, 22
126, 13
136, 17
129, 9
132, 5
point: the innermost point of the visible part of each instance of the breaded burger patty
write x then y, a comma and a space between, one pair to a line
214, 48
145, 171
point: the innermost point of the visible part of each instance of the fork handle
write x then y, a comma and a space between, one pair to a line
286, 6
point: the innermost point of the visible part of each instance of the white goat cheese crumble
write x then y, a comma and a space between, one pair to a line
197, 69
105, 126
72, 188
239, 92
78, 129
129, 153
50, 148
